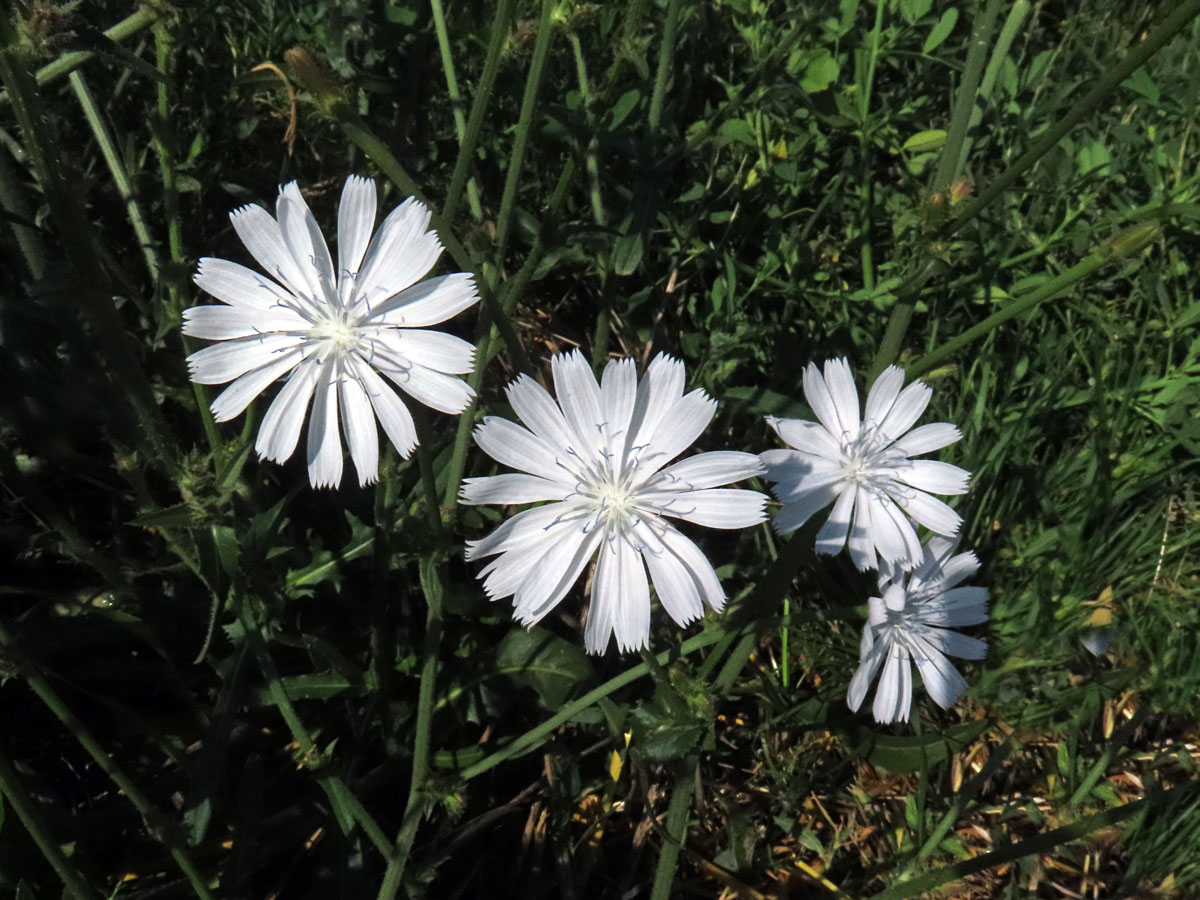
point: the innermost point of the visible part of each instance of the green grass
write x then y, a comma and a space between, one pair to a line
219, 682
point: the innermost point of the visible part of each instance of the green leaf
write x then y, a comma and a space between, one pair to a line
179, 516
538, 659
625, 104
902, 754
758, 401
941, 30
912, 10
217, 552
925, 141
627, 253
820, 73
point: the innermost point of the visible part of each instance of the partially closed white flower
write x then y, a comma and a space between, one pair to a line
598, 460
864, 467
333, 330
911, 622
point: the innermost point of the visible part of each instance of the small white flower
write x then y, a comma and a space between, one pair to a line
864, 466
333, 330
598, 457
911, 622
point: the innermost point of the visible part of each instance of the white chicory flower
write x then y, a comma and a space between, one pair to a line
911, 622
864, 467
598, 459
334, 331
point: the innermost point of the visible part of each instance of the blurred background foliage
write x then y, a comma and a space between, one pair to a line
248, 653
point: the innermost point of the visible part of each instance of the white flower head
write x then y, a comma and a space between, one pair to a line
599, 457
864, 467
911, 622
333, 330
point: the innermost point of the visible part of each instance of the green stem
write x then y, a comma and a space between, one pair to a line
1050, 289
29, 814
66, 209
346, 807
69, 62
1153, 42
417, 795
1008, 33
460, 119
666, 64
533, 83
676, 830
483, 92
534, 736
156, 824
357, 131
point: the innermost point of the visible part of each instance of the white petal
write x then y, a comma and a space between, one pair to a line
537, 409
883, 394
865, 672
674, 584
930, 512
324, 440
280, 429
832, 536
886, 532
401, 252
942, 680
958, 568
358, 421
659, 390
579, 397
525, 530
356, 219
862, 533
428, 303
555, 573
678, 430
816, 392
605, 601
237, 285
903, 527
393, 415
230, 359
796, 473
219, 323
840, 382
305, 242
697, 565
808, 437
618, 394
235, 398
445, 393
906, 410
893, 697
264, 239
511, 445
928, 438
714, 507
631, 624
433, 349
807, 503
511, 488
708, 470
935, 477
954, 644
956, 607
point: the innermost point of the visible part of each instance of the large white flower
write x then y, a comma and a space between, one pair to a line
598, 457
911, 622
333, 330
865, 466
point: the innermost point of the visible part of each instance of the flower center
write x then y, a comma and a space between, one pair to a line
338, 332
869, 457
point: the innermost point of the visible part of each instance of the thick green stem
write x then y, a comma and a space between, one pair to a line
69, 62
1008, 33
533, 83
676, 830
666, 64
156, 824
483, 92
29, 814
460, 118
